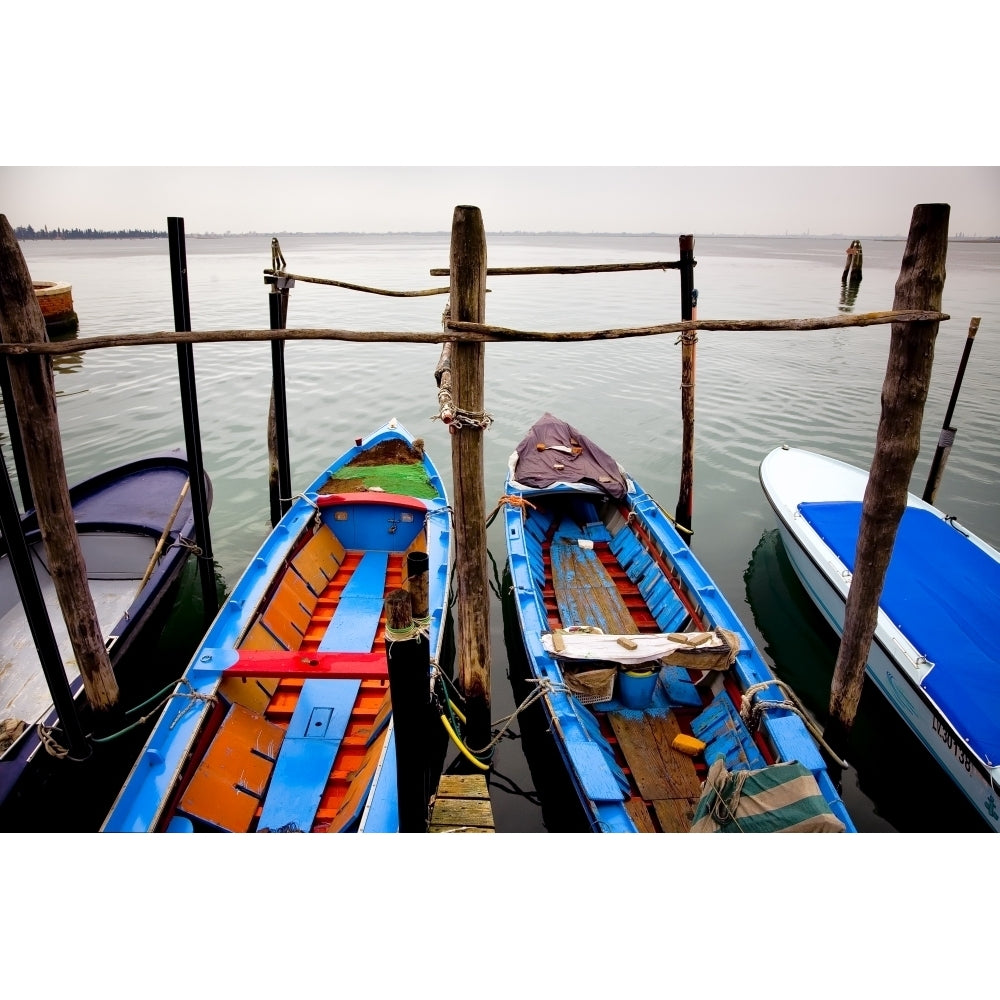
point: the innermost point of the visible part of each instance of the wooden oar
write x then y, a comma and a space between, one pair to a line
163, 537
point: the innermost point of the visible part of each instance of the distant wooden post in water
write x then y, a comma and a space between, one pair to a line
911, 354
852, 269
689, 338
33, 389
472, 626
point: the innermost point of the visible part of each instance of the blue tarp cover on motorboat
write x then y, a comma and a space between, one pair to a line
553, 452
943, 593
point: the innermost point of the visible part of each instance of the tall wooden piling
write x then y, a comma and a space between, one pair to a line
33, 390
685, 498
472, 621
904, 392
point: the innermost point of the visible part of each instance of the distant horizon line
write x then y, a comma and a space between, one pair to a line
212, 234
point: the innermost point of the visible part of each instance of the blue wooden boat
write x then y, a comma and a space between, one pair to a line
932, 656
283, 718
665, 714
136, 526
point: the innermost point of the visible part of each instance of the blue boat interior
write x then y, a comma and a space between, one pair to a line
586, 594
942, 592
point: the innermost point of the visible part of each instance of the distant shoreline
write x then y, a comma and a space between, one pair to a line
25, 233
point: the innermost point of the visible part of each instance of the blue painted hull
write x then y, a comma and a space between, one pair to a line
932, 654
293, 629
120, 514
672, 591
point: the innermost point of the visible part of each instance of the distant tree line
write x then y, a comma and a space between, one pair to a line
30, 233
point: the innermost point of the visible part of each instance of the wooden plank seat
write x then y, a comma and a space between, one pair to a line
585, 593
308, 751
356, 619
226, 789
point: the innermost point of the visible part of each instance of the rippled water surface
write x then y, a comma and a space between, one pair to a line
754, 391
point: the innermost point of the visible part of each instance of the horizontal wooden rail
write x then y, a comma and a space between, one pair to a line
356, 288
456, 331
699, 325
646, 265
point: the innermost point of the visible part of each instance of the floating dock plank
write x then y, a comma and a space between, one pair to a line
462, 805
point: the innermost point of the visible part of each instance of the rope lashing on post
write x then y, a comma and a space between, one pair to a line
419, 628
751, 711
508, 501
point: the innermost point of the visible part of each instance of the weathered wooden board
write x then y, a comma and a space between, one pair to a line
462, 805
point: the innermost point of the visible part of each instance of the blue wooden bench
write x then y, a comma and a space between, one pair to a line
356, 619
307, 754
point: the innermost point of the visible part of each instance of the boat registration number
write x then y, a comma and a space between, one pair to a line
953, 743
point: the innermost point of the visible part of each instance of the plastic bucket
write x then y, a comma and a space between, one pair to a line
636, 687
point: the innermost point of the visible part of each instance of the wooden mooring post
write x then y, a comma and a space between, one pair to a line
689, 338
467, 303
904, 392
33, 390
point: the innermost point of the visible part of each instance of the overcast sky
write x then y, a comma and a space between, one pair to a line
859, 201
580, 115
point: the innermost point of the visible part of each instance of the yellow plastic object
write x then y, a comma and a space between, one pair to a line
688, 744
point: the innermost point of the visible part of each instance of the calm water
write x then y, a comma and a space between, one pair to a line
754, 392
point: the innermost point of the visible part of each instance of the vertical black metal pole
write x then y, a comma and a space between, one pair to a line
947, 436
38, 618
14, 431
189, 405
278, 304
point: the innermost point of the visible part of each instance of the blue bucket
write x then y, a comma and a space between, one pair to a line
636, 687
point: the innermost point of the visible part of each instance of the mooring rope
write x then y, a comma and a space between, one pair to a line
419, 628
508, 500
751, 711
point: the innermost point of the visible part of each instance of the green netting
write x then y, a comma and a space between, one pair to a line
409, 480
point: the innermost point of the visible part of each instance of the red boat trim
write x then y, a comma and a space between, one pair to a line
370, 497
296, 663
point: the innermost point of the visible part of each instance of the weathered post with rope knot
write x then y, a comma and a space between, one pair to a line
472, 616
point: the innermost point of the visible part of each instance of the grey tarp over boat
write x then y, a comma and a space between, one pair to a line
553, 452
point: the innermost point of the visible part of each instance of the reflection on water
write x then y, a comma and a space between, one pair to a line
848, 296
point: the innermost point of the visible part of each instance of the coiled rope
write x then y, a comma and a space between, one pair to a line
752, 710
